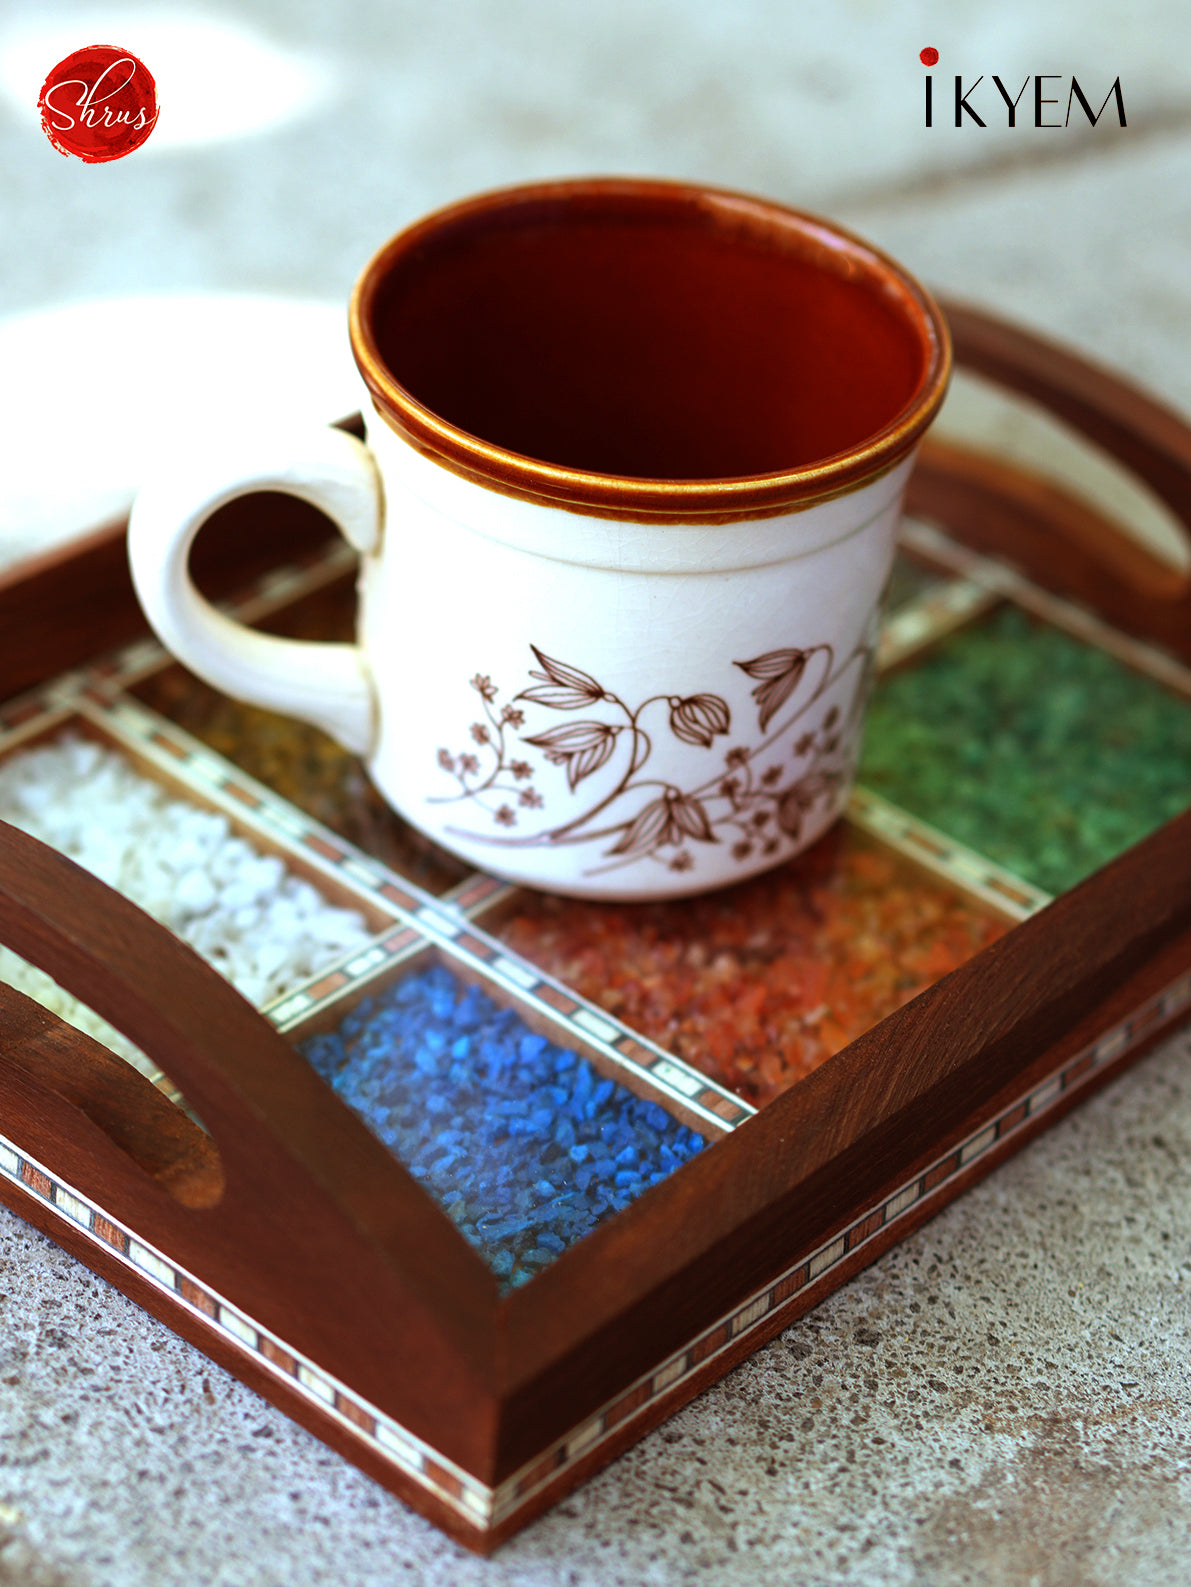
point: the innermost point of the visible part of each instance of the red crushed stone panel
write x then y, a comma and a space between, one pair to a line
756, 985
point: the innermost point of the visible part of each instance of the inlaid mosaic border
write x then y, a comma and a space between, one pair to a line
964, 868
417, 919
121, 668
930, 1186
474, 1502
1000, 582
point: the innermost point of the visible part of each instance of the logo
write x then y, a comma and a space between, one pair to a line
995, 99
100, 103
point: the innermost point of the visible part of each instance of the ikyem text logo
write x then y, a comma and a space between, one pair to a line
995, 99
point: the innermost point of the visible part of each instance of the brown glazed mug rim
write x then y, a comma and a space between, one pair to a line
630, 497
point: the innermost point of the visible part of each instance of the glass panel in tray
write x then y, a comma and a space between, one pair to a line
299, 762
755, 985
1044, 752
525, 1136
250, 907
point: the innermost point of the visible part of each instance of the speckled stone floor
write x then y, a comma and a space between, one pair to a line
1005, 1398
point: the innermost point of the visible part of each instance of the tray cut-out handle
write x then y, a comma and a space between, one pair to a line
1063, 543
293, 1210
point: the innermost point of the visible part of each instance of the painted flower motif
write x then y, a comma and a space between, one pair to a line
698, 718
682, 861
469, 765
479, 732
771, 775
669, 820
742, 850
582, 747
729, 788
563, 688
521, 769
737, 756
778, 673
446, 760
531, 798
805, 744
506, 816
512, 716
485, 686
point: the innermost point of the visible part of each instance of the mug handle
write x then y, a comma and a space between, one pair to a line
328, 685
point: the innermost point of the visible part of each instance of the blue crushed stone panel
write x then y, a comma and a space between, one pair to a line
521, 1141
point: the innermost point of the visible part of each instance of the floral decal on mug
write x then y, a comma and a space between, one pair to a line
757, 799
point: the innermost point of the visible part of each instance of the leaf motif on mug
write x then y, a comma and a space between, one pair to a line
670, 819
564, 688
779, 673
582, 747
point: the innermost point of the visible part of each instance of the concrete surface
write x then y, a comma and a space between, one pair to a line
1004, 1399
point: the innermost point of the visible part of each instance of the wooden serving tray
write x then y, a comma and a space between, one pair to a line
283, 1239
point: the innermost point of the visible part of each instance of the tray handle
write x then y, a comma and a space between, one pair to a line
1063, 543
294, 1186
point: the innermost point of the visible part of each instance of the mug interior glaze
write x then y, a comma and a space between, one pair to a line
588, 342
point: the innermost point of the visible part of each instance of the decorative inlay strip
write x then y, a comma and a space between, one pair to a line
997, 580
431, 1469
962, 867
478, 1504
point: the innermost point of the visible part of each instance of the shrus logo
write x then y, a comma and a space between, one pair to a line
100, 103
1045, 103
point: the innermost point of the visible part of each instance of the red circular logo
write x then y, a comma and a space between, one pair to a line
929, 56
100, 103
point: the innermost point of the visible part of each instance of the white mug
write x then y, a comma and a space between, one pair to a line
636, 453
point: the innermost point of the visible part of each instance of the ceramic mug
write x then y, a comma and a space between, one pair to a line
636, 452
